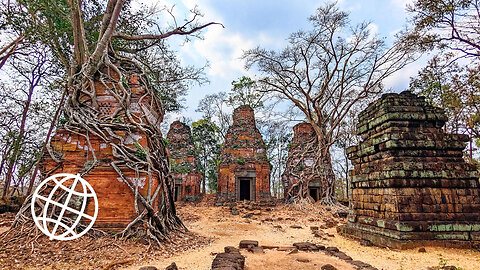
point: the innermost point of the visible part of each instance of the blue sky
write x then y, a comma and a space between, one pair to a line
268, 24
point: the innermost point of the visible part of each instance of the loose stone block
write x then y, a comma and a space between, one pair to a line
410, 183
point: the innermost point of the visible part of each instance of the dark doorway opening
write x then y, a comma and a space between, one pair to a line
245, 189
313, 193
178, 192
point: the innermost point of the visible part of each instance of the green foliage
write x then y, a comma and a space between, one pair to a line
443, 264
245, 91
178, 168
140, 153
447, 25
301, 167
207, 146
454, 88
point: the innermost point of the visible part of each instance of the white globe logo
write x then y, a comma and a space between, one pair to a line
64, 200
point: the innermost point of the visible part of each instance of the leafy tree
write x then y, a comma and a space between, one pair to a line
245, 92
323, 73
277, 136
208, 148
456, 89
446, 24
216, 108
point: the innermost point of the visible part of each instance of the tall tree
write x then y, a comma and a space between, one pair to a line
216, 108
206, 138
323, 72
98, 43
32, 67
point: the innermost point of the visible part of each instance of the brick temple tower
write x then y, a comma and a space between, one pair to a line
183, 162
75, 154
299, 164
410, 183
244, 172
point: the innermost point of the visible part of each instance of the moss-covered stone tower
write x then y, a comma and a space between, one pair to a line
410, 183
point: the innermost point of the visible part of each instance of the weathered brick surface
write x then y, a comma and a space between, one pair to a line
410, 181
116, 200
300, 161
243, 155
183, 160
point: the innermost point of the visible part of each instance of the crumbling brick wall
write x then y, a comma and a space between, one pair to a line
243, 156
116, 201
410, 183
300, 161
183, 161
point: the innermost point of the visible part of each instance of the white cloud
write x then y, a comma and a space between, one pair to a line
373, 28
222, 49
400, 80
402, 3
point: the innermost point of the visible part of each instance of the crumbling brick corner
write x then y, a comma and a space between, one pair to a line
183, 162
410, 183
244, 172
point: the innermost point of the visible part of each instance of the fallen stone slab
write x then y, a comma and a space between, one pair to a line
172, 266
256, 250
148, 268
231, 261
248, 243
332, 249
342, 256
304, 260
328, 267
231, 249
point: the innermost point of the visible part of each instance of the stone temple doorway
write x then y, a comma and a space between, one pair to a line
314, 188
177, 195
245, 188
314, 193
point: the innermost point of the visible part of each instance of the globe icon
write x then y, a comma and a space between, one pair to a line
58, 206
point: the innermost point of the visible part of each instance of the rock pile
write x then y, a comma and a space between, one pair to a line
410, 183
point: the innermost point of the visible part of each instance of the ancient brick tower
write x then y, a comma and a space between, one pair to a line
299, 162
410, 184
244, 172
74, 151
183, 162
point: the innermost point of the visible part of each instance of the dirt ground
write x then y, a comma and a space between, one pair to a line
219, 228
229, 230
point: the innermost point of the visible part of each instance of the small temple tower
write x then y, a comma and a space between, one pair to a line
183, 162
244, 172
299, 162
410, 183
